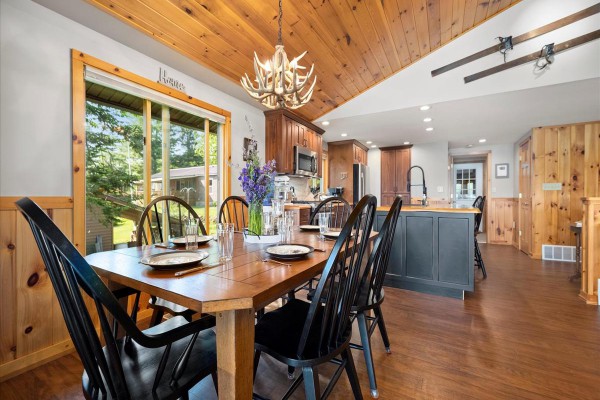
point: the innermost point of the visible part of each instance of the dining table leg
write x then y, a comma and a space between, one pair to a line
235, 353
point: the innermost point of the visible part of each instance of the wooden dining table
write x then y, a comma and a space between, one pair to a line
232, 291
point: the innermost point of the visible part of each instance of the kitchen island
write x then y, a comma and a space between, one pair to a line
433, 250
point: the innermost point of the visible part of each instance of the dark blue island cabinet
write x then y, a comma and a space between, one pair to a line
433, 250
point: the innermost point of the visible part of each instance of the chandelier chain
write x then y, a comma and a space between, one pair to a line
279, 39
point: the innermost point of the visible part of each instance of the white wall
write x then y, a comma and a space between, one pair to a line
433, 158
501, 154
35, 101
374, 173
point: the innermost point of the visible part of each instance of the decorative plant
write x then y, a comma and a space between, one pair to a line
258, 184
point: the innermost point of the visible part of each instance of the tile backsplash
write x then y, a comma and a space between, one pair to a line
301, 186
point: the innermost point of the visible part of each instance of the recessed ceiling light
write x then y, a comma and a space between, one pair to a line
344, 134
369, 142
429, 129
427, 119
325, 123
373, 145
425, 108
481, 140
406, 142
469, 146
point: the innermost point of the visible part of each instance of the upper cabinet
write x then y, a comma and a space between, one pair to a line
283, 131
395, 163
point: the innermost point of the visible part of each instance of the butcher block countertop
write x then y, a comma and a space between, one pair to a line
297, 206
457, 210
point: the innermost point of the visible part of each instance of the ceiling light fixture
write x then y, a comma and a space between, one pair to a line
469, 146
373, 146
425, 108
279, 84
482, 140
427, 119
369, 142
344, 134
325, 123
406, 142
429, 129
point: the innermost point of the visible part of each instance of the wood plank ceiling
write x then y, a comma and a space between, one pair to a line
354, 44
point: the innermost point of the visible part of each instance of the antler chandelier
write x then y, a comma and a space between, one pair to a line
278, 81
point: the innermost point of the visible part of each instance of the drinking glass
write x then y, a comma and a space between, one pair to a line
283, 230
191, 234
267, 223
289, 225
278, 207
323, 219
225, 241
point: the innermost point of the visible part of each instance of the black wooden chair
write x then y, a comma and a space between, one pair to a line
234, 210
305, 335
371, 294
479, 203
122, 369
174, 212
338, 209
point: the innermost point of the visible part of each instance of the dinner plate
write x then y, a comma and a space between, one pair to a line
334, 234
309, 227
174, 259
289, 251
201, 240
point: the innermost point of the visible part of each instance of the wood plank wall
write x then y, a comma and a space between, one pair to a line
502, 220
32, 329
590, 270
569, 155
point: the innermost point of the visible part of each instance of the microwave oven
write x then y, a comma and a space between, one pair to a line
305, 161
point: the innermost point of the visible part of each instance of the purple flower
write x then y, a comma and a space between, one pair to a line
257, 182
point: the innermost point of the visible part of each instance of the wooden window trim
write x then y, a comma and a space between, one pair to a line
78, 62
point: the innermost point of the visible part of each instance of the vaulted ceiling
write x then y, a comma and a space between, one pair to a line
354, 44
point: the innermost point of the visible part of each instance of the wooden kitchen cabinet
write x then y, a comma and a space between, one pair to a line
360, 154
395, 163
342, 156
283, 131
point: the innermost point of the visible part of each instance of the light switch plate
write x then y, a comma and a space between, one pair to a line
552, 186
440, 189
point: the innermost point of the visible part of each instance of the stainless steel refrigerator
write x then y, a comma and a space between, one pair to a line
359, 182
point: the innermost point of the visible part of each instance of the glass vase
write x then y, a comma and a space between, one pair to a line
255, 218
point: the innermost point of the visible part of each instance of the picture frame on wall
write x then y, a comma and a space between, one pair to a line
250, 145
502, 171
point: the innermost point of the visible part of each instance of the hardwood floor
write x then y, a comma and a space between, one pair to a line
523, 334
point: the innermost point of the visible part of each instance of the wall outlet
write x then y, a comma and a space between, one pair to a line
440, 189
343, 175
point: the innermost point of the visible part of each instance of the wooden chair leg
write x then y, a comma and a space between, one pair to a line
383, 329
352, 375
311, 383
480, 259
256, 362
157, 316
366, 345
215, 379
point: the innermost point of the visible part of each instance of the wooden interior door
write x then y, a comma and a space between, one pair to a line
525, 197
388, 177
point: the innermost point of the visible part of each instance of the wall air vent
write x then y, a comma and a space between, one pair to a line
558, 253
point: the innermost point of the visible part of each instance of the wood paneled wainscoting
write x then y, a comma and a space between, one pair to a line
566, 163
590, 269
502, 217
32, 329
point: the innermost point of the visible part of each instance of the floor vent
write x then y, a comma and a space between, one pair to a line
558, 253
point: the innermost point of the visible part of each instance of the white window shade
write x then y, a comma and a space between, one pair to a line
112, 81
